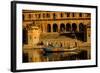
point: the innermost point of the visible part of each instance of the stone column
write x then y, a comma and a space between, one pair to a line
51, 27
44, 28
58, 27
78, 23
77, 26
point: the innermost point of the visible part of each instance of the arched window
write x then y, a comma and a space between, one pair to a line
55, 28
68, 27
74, 27
48, 28
25, 36
62, 27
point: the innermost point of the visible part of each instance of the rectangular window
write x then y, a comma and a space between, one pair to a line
48, 15
29, 16
61, 14
54, 16
80, 14
68, 14
88, 15
43, 15
39, 15
73, 14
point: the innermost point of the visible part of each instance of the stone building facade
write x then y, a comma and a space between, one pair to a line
60, 29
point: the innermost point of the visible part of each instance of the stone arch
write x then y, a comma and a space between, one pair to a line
48, 28
74, 27
68, 27
55, 27
62, 27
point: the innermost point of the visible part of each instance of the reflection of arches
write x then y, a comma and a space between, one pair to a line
55, 28
25, 57
62, 27
68, 27
83, 55
48, 28
25, 36
81, 27
74, 27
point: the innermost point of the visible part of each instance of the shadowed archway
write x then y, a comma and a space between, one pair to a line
62, 27
55, 28
68, 27
74, 27
48, 28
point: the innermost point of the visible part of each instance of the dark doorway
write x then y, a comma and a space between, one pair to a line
68, 27
48, 28
55, 28
74, 27
62, 27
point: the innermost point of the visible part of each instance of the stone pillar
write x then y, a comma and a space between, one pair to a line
44, 28
58, 27
65, 27
51, 27
77, 27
